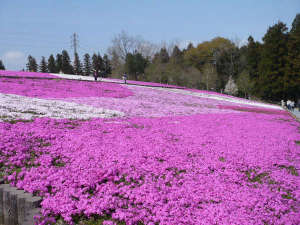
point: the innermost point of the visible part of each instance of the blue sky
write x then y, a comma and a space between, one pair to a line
41, 28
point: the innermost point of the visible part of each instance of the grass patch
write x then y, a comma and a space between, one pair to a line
255, 177
222, 159
19, 121
290, 169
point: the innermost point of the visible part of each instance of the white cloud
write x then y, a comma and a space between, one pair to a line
14, 60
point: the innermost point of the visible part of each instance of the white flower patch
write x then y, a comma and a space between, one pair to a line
21, 107
219, 97
88, 78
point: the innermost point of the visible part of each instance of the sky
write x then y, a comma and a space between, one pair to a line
41, 28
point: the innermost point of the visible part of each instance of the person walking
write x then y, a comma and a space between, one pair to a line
292, 105
95, 75
125, 78
288, 104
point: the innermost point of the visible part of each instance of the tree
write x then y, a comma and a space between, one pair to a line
177, 56
51, 65
66, 66
135, 64
58, 63
77, 65
31, 65
253, 58
163, 56
97, 62
87, 67
106, 66
292, 73
244, 83
231, 87
2, 67
209, 76
273, 62
43, 65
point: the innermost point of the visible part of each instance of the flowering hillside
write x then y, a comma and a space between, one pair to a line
108, 153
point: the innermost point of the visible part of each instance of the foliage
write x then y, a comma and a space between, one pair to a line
292, 74
43, 65
77, 65
31, 65
51, 65
87, 66
244, 83
97, 62
231, 87
58, 63
106, 66
273, 62
2, 67
66, 66
135, 64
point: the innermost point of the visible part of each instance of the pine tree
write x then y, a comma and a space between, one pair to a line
58, 63
190, 46
66, 63
177, 56
273, 62
253, 58
31, 65
51, 65
106, 66
87, 67
163, 56
135, 64
77, 65
97, 62
43, 65
292, 73
2, 67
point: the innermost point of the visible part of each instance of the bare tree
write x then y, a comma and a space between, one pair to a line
123, 43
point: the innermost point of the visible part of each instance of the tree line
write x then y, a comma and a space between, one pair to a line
62, 64
268, 70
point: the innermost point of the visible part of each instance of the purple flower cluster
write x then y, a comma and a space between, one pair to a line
47, 89
234, 168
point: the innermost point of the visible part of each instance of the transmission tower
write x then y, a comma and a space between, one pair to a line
74, 42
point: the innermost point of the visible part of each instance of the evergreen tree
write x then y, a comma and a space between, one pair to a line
77, 65
58, 63
51, 65
31, 65
43, 65
177, 56
87, 67
66, 63
273, 62
190, 46
97, 62
292, 73
163, 56
135, 64
253, 58
2, 67
106, 66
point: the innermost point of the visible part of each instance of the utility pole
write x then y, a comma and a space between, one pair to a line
74, 43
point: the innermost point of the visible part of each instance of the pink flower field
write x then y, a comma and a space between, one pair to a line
168, 158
